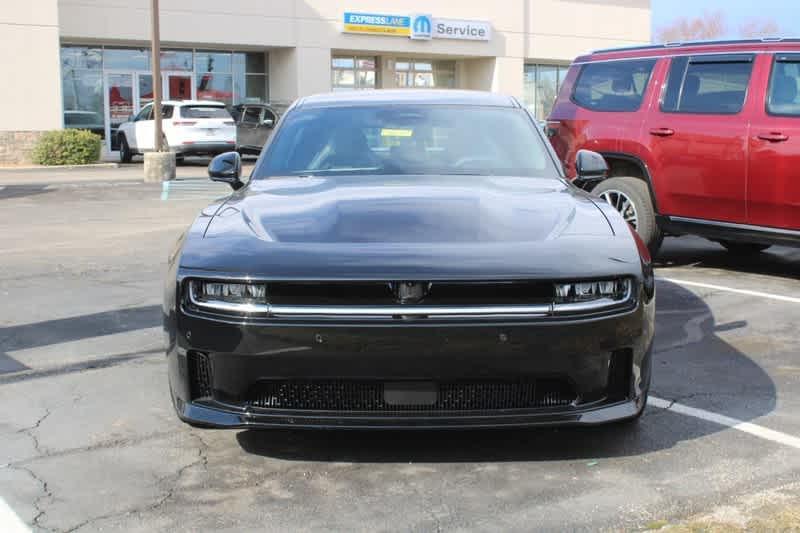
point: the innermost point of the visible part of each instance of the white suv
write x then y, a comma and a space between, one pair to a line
190, 128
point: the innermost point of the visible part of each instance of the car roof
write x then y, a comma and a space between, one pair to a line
408, 96
694, 47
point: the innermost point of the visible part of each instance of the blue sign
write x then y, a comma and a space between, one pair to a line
377, 23
421, 26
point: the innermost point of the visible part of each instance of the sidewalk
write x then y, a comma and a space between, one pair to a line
131, 173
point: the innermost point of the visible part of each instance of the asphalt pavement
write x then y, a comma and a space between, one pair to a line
89, 440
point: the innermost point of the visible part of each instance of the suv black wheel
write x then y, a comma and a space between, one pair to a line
744, 248
125, 154
631, 198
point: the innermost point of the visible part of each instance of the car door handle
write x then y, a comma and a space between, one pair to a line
773, 137
662, 132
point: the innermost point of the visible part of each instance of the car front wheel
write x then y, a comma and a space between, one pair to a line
631, 198
125, 154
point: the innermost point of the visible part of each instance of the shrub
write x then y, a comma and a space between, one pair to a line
67, 147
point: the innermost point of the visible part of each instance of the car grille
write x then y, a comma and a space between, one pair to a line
200, 373
347, 395
437, 293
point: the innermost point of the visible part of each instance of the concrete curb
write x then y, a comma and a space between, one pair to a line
57, 167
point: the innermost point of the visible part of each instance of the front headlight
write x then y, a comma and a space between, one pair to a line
229, 292
583, 291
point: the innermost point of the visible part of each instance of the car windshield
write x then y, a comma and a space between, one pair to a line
407, 139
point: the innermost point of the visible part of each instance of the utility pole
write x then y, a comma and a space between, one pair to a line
155, 47
159, 165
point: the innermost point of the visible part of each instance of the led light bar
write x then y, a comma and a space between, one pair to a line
585, 291
209, 291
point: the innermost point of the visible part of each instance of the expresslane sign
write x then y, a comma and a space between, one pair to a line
417, 26
375, 23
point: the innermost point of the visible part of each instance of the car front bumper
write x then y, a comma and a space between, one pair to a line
605, 360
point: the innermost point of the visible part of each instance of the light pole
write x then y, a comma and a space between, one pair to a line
158, 165
155, 39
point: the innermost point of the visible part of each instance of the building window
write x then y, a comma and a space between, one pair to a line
349, 73
82, 88
542, 83
86, 72
425, 74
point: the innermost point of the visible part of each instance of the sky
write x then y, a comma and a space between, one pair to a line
786, 13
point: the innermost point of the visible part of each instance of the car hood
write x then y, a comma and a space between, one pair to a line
451, 226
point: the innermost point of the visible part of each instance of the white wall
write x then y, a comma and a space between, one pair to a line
30, 95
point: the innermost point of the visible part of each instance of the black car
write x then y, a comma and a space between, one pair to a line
254, 125
408, 260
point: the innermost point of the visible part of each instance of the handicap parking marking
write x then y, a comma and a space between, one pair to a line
727, 421
770, 296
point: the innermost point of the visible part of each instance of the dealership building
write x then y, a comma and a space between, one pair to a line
86, 63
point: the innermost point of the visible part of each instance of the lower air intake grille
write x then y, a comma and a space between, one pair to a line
345, 395
200, 375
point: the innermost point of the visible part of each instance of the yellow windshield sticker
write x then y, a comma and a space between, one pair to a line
393, 132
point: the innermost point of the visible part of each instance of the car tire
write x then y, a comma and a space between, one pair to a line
744, 248
631, 197
125, 154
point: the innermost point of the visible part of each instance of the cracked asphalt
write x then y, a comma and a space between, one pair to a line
89, 441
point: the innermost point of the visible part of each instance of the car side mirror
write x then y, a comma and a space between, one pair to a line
227, 168
268, 123
590, 167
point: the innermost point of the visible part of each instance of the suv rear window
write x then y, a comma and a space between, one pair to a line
613, 85
204, 111
707, 84
784, 86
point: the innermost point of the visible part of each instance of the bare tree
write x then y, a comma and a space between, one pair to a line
759, 28
709, 26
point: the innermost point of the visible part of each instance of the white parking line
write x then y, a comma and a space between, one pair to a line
733, 423
768, 295
9, 521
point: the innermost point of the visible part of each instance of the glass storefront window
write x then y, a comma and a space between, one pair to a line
126, 59
542, 83
216, 87
425, 74
93, 77
81, 57
249, 77
349, 73
255, 62
176, 60
255, 88
206, 61
83, 99
343, 62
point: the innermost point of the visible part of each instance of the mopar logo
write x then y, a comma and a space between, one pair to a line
421, 26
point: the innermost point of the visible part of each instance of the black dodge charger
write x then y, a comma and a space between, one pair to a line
408, 259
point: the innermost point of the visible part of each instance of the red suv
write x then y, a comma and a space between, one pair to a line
700, 138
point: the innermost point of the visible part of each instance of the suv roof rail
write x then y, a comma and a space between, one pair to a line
677, 44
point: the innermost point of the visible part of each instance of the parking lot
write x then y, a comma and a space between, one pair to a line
89, 440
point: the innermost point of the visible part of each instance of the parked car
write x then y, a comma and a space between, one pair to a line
84, 120
389, 265
701, 138
254, 124
189, 128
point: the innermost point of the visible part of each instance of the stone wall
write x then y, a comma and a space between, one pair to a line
16, 146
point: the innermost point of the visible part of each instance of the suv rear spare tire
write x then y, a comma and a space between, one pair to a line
631, 198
